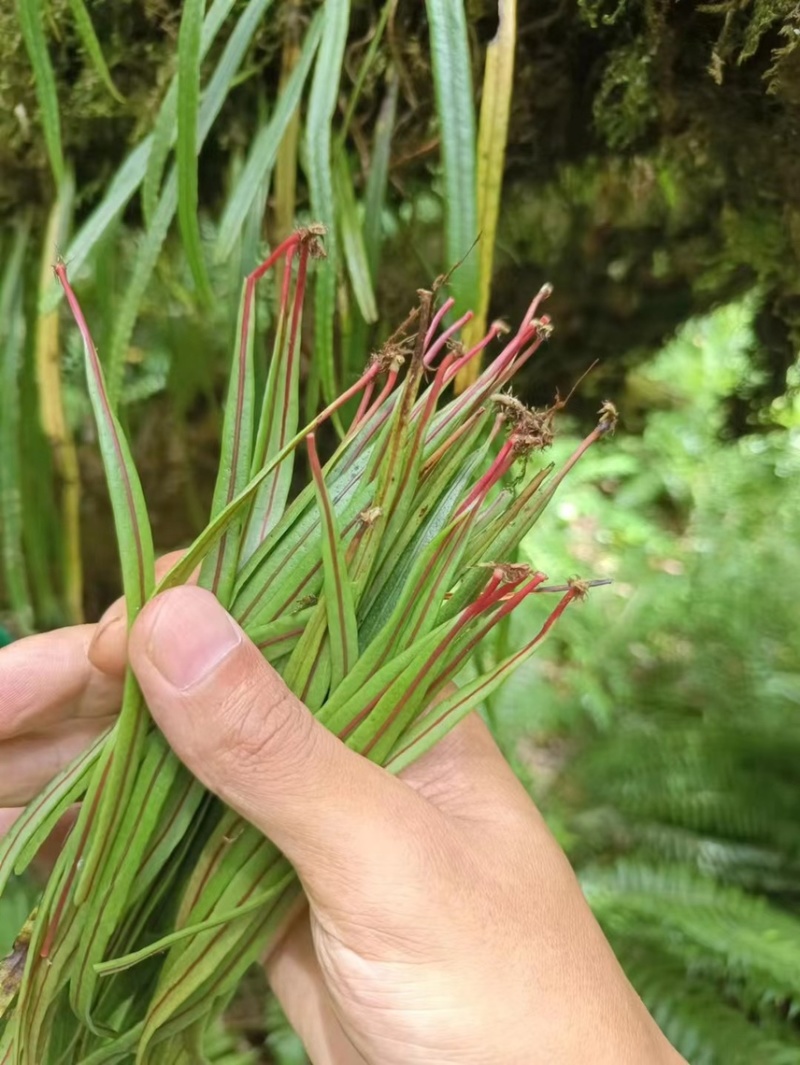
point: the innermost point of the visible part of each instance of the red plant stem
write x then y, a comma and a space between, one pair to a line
363, 405
436, 721
430, 355
391, 381
433, 460
291, 241
530, 314
498, 469
369, 374
287, 248
430, 402
577, 454
435, 321
506, 606
489, 381
297, 311
476, 350
75, 307
487, 599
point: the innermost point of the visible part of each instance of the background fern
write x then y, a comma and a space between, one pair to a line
662, 737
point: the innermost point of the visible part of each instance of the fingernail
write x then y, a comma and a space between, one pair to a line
190, 636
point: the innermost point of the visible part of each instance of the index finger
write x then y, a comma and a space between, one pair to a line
48, 678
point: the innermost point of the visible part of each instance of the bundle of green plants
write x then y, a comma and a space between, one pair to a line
368, 590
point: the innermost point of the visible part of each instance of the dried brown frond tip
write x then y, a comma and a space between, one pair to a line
579, 587
525, 443
510, 407
390, 357
608, 417
533, 429
511, 571
311, 235
543, 327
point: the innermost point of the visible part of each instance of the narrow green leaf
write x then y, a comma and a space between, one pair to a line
498, 84
187, 147
367, 63
429, 730
127, 500
219, 568
319, 121
153, 241
378, 177
163, 136
140, 821
264, 150
144, 264
280, 410
40, 816
355, 343
12, 339
160, 145
277, 638
456, 112
339, 601
355, 253
226, 917
83, 24
31, 22
130, 174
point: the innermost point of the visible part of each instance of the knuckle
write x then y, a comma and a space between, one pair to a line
258, 729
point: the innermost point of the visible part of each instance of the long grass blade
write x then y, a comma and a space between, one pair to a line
127, 500
30, 14
264, 150
339, 600
286, 161
144, 264
86, 32
456, 113
187, 149
429, 730
355, 253
374, 205
498, 84
163, 136
12, 336
319, 121
219, 568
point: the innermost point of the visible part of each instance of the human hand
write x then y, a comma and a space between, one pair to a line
444, 923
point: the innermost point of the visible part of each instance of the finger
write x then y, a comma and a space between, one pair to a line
465, 775
232, 720
49, 851
109, 648
49, 678
295, 977
30, 761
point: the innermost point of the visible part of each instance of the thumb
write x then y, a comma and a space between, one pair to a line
230, 718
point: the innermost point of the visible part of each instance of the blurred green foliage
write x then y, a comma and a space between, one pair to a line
660, 727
